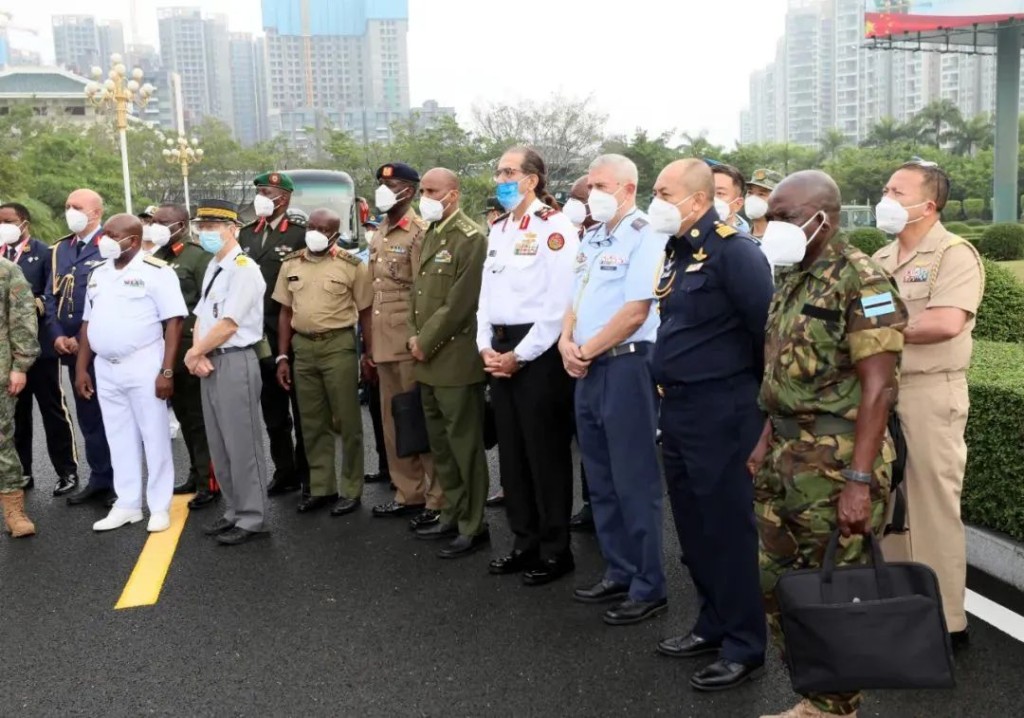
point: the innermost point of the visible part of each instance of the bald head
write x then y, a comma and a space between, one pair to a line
126, 230
443, 185
326, 221
580, 190
813, 188
441, 177
811, 200
89, 203
689, 186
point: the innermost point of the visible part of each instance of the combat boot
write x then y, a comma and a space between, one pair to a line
806, 709
17, 522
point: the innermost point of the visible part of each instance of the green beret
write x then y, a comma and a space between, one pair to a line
275, 179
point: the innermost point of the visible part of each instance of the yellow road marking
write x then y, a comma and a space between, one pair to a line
143, 587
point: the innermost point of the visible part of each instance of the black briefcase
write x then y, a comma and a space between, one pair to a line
867, 626
410, 425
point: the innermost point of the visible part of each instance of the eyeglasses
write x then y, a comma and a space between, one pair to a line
506, 173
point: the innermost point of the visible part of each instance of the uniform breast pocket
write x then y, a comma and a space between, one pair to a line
815, 338
131, 292
611, 272
696, 299
441, 276
524, 270
336, 288
399, 266
915, 293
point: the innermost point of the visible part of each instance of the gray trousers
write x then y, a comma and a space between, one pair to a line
231, 411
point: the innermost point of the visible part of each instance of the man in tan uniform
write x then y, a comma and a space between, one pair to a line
941, 280
323, 291
394, 252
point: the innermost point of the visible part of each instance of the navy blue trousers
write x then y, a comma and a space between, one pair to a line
90, 421
708, 431
616, 422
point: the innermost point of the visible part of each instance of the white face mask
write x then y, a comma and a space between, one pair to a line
158, 234
785, 243
316, 241
263, 206
755, 207
723, 208
576, 211
385, 198
431, 210
77, 220
109, 248
9, 233
665, 217
603, 205
892, 217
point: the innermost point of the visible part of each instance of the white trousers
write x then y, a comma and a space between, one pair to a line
135, 419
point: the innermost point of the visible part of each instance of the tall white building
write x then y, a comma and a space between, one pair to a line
197, 48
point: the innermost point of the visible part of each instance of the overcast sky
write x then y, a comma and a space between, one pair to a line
655, 64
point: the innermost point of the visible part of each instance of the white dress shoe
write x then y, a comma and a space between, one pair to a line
159, 521
118, 518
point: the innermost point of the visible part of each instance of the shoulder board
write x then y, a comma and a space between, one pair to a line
292, 255
545, 212
348, 257
154, 261
64, 239
724, 230
639, 223
500, 218
420, 222
251, 225
242, 260
467, 227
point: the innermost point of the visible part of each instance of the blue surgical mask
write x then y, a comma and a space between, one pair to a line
508, 195
211, 241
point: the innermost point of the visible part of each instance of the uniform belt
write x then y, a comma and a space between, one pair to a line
390, 295
510, 332
326, 334
230, 350
640, 348
790, 427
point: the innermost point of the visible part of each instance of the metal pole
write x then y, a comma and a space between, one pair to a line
1007, 149
188, 206
124, 171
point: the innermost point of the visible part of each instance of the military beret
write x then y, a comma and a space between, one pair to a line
493, 205
216, 210
148, 212
372, 222
275, 179
769, 179
397, 170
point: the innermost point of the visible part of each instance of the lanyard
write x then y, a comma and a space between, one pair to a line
206, 292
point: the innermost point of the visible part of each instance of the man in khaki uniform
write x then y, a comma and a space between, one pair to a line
394, 251
323, 291
941, 280
449, 369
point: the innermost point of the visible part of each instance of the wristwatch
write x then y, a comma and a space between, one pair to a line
520, 362
280, 358
167, 373
858, 477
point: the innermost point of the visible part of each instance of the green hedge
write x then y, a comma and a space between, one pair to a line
974, 208
953, 210
867, 239
993, 490
1002, 242
959, 228
975, 222
1001, 314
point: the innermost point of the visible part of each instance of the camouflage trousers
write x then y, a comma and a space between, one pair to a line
795, 497
11, 478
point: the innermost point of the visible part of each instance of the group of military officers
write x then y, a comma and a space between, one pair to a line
770, 360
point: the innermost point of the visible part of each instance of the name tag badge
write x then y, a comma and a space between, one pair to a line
216, 310
134, 283
443, 257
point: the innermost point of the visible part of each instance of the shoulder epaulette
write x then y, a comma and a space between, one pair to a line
154, 261
348, 257
420, 222
545, 212
242, 260
639, 223
64, 239
467, 227
500, 218
292, 255
724, 231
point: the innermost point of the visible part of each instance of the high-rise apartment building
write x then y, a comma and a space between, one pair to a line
109, 40
76, 43
198, 49
245, 89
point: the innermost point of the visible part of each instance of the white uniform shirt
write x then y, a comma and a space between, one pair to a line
125, 307
528, 278
234, 292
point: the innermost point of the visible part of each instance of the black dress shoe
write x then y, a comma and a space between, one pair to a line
188, 487
582, 520
549, 569
601, 592
236, 536
30, 483
495, 499
688, 646
723, 675
960, 639
513, 563
465, 545
91, 495
393, 509
281, 486
377, 478
312, 503
629, 611
202, 499
437, 530
65, 484
345, 506
426, 517
218, 527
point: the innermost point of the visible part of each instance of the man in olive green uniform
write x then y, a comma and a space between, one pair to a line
269, 240
394, 252
323, 291
942, 279
448, 368
824, 460
169, 237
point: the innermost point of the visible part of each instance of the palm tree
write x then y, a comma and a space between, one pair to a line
698, 146
886, 132
933, 117
972, 135
831, 142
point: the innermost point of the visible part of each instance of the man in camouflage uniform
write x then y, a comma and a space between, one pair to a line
19, 347
831, 360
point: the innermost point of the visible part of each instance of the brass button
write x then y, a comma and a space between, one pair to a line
376, 311
379, 260
423, 274
377, 279
420, 292
694, 232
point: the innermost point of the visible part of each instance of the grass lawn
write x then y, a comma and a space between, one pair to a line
1017, 267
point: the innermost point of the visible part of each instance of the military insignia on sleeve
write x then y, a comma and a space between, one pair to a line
556, 242
443, 257
916, 274
878, 305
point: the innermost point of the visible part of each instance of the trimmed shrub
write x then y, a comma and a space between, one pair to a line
975, 222
1001, 314
974, 208
1002, 242
953, 210
993, 492
867, 239
960, 228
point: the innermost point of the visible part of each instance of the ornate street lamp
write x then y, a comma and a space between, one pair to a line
183, 152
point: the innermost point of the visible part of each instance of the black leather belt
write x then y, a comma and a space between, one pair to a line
640, 348
230, 350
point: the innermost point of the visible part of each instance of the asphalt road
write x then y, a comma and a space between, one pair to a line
354, 617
